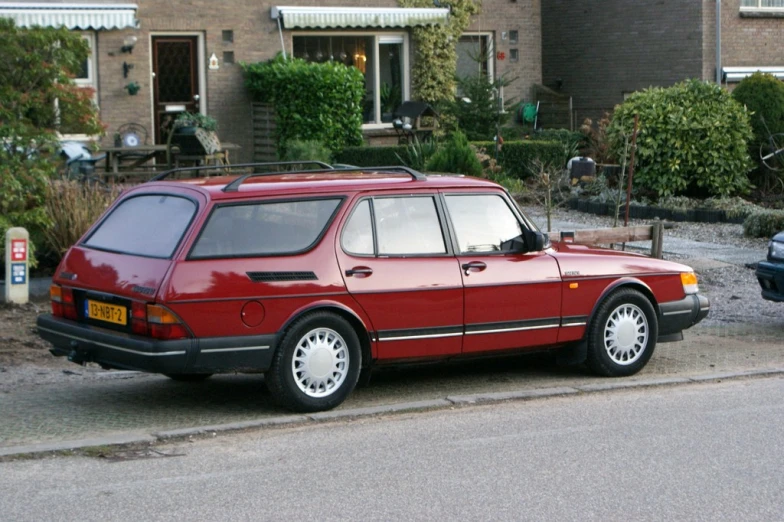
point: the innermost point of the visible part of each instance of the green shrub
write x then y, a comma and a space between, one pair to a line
692, 139
313, 101
764, 223
763, 95
516, 157
455, 156
418, 153
313, 150
372, 156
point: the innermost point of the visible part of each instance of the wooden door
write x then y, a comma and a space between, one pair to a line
176, 80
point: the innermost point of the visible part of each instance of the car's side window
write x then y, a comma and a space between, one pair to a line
357, 235
408, 226
264, 228
482, 222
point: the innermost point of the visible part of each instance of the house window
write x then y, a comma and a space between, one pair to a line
382, 59
84, 78
753, 5
475, 55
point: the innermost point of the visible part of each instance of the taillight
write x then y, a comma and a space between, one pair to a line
139, 318
63, 304
163, 324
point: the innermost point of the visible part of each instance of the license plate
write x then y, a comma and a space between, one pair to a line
106, 312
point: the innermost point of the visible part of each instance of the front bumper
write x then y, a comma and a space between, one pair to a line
676, 316
84, 343
771, 279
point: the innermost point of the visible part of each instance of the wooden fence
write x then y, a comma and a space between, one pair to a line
605, 236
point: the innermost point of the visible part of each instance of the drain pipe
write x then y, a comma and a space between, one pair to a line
275, 14
718, 42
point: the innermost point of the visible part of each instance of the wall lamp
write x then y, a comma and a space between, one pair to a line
128, 44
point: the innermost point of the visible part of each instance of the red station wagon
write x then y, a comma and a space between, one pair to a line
313, 276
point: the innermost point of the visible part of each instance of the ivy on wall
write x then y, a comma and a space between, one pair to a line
435, 56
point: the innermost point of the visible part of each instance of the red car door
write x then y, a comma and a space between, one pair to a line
512, 300
398, 265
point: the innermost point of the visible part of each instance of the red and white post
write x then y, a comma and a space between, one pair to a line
17, 264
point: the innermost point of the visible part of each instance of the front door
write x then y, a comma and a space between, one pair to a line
512, 299
398, 266
176, 80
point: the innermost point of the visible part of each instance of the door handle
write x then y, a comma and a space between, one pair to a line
473, 265
362, 271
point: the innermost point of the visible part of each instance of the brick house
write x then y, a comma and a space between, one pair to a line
599, 51
185, 54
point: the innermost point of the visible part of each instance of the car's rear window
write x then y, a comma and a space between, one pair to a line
264, 228
149, 225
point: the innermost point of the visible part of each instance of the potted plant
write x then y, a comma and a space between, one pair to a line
194, 134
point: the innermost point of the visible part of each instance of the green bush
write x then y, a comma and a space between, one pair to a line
455, 156
313, 101
763, 95
418, 153
764, 223
313, 150
516, 157
372, 156
692, 139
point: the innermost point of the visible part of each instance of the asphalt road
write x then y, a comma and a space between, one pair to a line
707, 451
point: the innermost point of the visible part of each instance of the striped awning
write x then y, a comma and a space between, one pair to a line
340, 17
72, 16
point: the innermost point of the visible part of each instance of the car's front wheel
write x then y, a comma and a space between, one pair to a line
622, 335
317, 363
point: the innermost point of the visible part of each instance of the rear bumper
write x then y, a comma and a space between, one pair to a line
771, 280
84, 343
676, 316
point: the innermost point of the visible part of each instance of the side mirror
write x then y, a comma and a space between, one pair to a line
534, 240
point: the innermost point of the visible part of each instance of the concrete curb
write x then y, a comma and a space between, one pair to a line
386, 409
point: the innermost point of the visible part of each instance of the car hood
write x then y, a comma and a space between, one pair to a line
585, 261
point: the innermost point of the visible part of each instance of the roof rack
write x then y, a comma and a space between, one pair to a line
324, 167
163, 175
416, 175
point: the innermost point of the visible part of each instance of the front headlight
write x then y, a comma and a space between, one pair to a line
689, 282
776, 251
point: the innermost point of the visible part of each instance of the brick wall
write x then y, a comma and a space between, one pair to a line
747, 41
601, 49
256, 39
523, 16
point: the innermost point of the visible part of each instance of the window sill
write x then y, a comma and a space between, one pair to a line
755, 12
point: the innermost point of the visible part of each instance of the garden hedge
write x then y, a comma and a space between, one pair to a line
313, 101
515, 156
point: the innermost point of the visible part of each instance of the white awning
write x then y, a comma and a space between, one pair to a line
736, 74
338, 17
71, 16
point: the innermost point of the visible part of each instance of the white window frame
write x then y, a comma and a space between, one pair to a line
90, 81
758, 6
377, 37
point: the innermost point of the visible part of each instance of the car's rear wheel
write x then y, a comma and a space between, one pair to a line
622, 334
188, 377
317, 363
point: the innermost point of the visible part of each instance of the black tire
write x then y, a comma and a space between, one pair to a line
622, 334
188, 377
328, 360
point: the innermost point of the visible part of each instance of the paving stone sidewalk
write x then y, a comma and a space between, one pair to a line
144, 404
